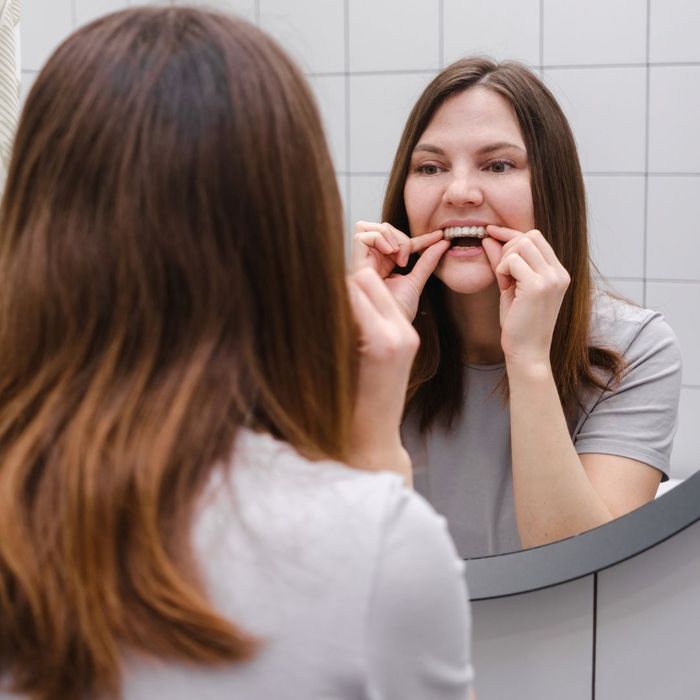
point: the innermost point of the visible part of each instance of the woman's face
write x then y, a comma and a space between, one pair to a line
469, 168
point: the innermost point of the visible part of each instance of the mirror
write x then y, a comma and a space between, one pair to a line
620, 74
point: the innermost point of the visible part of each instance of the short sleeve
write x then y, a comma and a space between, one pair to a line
638, 417
419, 622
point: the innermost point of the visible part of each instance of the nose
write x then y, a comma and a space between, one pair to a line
463, 189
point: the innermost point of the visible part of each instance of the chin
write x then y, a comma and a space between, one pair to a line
471, 280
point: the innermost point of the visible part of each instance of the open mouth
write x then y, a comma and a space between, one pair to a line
465, 236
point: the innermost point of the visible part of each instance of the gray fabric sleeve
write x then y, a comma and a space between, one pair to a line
638, 418
419, 622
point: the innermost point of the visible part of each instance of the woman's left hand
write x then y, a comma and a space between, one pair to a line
532, 282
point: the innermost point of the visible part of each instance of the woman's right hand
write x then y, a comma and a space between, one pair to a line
382, 247
387, 346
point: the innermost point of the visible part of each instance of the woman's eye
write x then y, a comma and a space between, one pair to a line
499, 166
429, 169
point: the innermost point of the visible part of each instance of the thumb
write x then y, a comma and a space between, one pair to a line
494, 252
427, 262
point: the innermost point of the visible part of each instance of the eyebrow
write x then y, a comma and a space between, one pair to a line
488, 148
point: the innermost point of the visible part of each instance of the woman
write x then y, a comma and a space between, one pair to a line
537, 407
180, 383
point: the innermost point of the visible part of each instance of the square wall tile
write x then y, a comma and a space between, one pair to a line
87, 10
606, 108
385, 35
674, 26
379, 107
45, 24
596, 31
504, 29
647, 623
241, 8
686, 446
366, 198
633, 290
673, 238
616, 223
674, 115
313, 32
330, 94
680, 303
535, 646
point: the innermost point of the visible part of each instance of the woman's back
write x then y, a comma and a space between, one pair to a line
334, 570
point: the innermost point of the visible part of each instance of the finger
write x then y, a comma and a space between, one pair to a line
532, 255
403, 242
376, 290
426, 263
362, 227
514, 266
502, 233
494, 251
544, 247
376, 239
366, 315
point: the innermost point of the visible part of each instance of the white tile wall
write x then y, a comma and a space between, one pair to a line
86, 10
674, 27
606, 108
685, 459
312, 31
379, 105
616, 223
647, 247
379, 42
244, 8
632, 290
673, 246
679, 302
330, 94
503, 29
45, 23
673, 119
366, 197
589, 32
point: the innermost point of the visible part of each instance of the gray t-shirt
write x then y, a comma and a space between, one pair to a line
466, 473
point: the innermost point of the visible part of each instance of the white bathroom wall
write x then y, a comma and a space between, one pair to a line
626, 72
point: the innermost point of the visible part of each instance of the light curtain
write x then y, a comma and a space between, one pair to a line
9, 79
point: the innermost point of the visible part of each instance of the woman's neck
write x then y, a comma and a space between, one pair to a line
477, 318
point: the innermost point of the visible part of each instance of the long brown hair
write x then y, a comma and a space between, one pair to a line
171, 268
437, 387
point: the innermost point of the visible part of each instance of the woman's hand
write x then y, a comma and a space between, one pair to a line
532, 283
382, 247
387, 347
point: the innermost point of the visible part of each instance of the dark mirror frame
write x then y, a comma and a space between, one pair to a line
566, 560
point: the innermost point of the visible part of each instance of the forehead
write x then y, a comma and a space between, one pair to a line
477, 113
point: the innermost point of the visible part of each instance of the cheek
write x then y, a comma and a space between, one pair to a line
418, 201
517, 208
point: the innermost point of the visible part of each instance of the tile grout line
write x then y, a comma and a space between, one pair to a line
348, 158
595, 634
646, 156
441, 33
541, 39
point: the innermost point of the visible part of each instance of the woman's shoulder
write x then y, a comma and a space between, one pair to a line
270, 489
618, 323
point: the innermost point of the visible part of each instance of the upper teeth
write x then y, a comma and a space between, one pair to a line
460, 231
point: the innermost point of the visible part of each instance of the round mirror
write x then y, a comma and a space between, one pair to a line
549, 565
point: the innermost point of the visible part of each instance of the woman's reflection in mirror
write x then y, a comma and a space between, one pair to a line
539, 405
